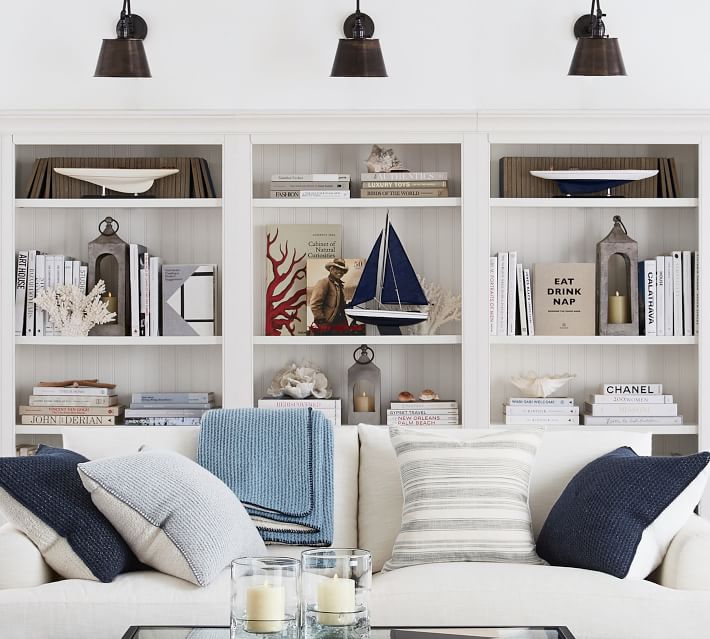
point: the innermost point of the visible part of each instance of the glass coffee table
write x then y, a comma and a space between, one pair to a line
419, 632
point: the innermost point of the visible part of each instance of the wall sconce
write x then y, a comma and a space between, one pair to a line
124, 56
358, 54
596, 53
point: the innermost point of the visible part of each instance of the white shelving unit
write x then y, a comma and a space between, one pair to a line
128, 203
593, 340
118, 341
357, 203
594, 203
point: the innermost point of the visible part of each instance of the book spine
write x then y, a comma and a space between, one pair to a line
134, 290
533, 420
512, 271
56, 391
424, 405
40, 270
311, 177
650, 294
632, 389
68, 272
687, 295
589, 420
83, 279
311, 186
423, 412
404, 176
424, 421
76, 273
541, 410
631, 399
631, 410
49, 400
21, 292
642, 291
68, 420
404, 193
71, 410
528, 301
493, 296
31, 284
59, 270
155, 273
159, 421
313, 195
142, 292
541, 401
162, 412
677, 295
419, 184
148, 293
660, 297
279, 404
502, 293
522, 313
669, 287
192, 406
167, 398
696, 292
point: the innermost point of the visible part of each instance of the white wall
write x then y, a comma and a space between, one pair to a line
276, 54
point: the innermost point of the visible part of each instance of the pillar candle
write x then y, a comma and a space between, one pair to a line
336, 597
363, 403
618, 309
111, 305
266, 608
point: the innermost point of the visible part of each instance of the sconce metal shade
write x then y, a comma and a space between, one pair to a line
596, 56
122, 58
358, 58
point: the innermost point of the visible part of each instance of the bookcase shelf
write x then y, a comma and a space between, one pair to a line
21, 429
595, 340
118, 341
660, 429
402, 340
594, 203
359, 203
120, 203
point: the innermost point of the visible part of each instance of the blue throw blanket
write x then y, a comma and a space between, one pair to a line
280, 465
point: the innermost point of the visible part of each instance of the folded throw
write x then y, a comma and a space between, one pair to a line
280, 465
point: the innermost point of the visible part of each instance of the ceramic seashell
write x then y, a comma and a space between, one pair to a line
540, 386
405, 396
383, 160
300, 382
428, 395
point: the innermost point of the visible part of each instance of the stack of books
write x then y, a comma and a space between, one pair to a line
429, 413
631, 405
168, 409
541, 411
510, 302
71, 406
294, 186
405, 184
331, 408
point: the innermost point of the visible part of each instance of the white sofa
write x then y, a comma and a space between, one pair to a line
367, 515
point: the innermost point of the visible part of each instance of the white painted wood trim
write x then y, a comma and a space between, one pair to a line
684, 429
118, 341
593, 340
359, 203
356, 340
590, 203
704, 330
137, 203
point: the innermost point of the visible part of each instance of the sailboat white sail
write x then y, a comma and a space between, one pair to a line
389, 279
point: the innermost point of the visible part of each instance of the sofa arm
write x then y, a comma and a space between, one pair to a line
21, 563
685, 566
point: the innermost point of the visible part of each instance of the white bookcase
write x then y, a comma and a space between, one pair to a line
449, 240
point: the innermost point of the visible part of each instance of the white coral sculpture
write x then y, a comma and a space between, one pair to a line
300, 382
534, 385
72, 312
445, 307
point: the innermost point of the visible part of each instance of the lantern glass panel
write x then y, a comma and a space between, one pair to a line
618, 274
107, 270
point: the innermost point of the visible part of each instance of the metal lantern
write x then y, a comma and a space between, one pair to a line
364, 380
617, 309
108, 261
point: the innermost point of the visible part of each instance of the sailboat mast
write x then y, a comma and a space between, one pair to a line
385, 248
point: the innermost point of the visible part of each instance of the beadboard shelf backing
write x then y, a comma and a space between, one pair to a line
27, 154
685, 155
411, 368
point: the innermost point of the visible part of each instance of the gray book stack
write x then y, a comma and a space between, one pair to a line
631, 405
541, 411
168, 409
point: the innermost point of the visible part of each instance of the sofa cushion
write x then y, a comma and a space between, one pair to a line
464, 500
21, 562
176, 516
561, 456
619, 514
43, 496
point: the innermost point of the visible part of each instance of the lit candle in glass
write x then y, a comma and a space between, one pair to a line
618, 309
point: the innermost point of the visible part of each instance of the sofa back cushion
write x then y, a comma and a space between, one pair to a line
97, 443
561, 456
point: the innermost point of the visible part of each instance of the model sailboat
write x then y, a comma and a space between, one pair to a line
388, 278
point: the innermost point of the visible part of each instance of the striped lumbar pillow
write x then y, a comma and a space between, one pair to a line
464, 500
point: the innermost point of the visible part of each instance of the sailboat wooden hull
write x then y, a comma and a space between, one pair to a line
380, 317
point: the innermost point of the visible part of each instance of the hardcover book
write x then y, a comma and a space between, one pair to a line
325, 313
288, 249
189, 293
564, 299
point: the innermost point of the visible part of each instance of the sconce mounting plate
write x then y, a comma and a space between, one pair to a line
140, 27
583, 26
367, 23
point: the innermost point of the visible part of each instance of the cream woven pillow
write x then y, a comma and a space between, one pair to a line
464, 500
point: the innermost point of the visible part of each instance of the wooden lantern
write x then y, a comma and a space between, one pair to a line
364, 381
618, 243
109, 261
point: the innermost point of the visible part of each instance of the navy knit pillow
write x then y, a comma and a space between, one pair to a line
620, 512
43, 497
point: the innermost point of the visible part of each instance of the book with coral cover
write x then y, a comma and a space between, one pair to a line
323, 317
288, 249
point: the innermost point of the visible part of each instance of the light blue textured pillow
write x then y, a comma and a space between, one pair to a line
176, 516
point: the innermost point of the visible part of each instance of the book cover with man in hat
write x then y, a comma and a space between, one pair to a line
331, 285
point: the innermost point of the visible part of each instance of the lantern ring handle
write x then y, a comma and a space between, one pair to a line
617, 219
110, 226
364, 351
